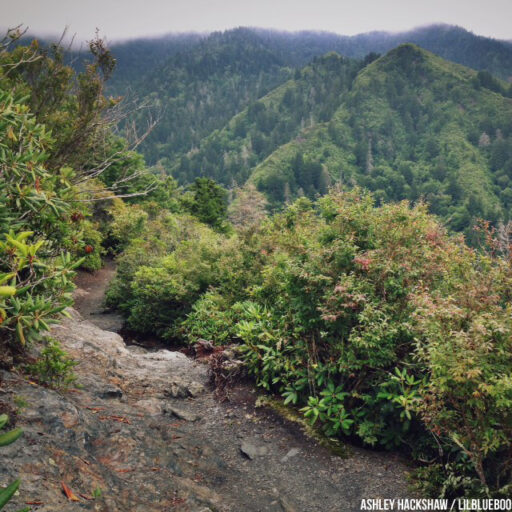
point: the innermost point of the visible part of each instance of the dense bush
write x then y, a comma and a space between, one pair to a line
385, 328
35, 227
163, 293
211, 319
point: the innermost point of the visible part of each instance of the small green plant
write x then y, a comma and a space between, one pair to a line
5, 439
97, 493
330, 410
54, 368
20, 403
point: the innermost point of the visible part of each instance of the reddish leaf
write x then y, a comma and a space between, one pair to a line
119, 419
70, 495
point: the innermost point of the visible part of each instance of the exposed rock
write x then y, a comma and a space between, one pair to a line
110, 392
252, 450
291, 453
183, 414
180, 388
195, 389
151, 406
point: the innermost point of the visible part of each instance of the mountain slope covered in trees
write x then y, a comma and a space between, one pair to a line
413, 126
197, 83
198, 91
310, 97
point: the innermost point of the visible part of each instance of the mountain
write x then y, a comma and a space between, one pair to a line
412, 126
139, 57
311, 96
257, 104
198, 83
450, 42
198, 90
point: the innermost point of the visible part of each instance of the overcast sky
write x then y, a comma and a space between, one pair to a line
121, 19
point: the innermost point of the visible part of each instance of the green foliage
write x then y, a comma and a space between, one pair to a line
372, 320
384, 328
412, 127
155, 238
311, 97
35, 270
54, 368
199, 84
39, 291
200, 89
97, 493
163, 294
56, 145
208, 202
211, 319
71, 105
91, 240
127, 223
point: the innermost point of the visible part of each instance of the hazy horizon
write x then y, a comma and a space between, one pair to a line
130, 19
69, 33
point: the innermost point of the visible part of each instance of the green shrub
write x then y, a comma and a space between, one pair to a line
128, 223
35, 270
163, 294
211, 319
38, 289
164, 272
383, 327
91, 246
464, 344
159, 237
372, 320
54, 367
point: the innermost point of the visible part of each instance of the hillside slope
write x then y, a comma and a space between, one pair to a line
412, 127
310, 97
198, 90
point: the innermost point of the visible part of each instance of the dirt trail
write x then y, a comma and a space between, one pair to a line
145, 430
90, 294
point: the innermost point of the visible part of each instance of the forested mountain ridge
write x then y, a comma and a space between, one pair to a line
139, 57
413, 126
197, 83
198, 91
143, 55
311, 96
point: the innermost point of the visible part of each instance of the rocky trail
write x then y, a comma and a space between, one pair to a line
144, 433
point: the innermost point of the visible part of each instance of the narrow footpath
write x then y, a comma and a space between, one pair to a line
144, 433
